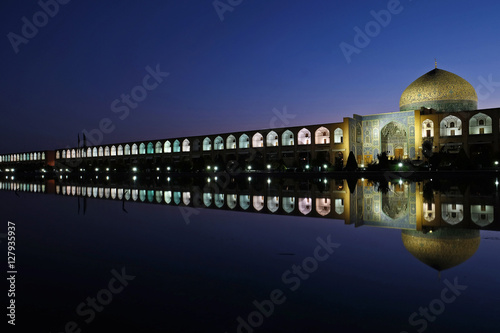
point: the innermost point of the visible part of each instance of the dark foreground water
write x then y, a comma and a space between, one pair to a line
162, 268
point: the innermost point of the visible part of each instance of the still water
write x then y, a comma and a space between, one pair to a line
254, 255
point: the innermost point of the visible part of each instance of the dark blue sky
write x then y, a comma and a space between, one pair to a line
226, 75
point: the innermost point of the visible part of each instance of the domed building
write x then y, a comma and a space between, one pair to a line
440, 90
437, 111
443, 248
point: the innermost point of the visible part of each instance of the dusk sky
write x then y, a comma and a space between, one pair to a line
230, 74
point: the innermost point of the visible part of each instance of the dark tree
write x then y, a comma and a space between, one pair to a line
351, 164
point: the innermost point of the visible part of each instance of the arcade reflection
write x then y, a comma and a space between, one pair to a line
440, 221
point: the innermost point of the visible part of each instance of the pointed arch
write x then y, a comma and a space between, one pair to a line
272, 139
134, 149
142, 148
427, 128
304, 137
244, 141
167, 147
207, 144
450, 126
218, 143
120, 150
338, 135
231, 142
480, 123
287, 138
257, 140
150, 148
186, 145
127, 149
322, 136
158, 147
177, 146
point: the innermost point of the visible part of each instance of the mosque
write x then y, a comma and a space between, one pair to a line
439, 108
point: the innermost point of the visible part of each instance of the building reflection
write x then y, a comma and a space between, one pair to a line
440, 221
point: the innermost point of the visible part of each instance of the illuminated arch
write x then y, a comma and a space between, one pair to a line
244, 141
232, 200
258, 202
134, 149
150, 148
219, 199
218, 143
287, 138
106, 151
288, 204
323, 206
120, 150
450, 126
167, 147
322, 136
207, 199
272, 139
231, 142
480, 124
257, 140
338, 135
427, 128
305, 205
142, 148
158, 148
273, 203
304, 137
245, 201
177, 146
186, 145
113, 151
452, 213
127, 149
101, 151
207, 144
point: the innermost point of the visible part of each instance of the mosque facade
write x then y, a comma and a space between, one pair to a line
438, 113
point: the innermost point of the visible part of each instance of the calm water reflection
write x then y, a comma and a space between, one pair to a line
203, 264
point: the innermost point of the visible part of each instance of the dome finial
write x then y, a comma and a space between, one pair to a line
435, 63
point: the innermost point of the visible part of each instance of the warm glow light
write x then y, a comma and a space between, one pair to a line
400, 165
269, 166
